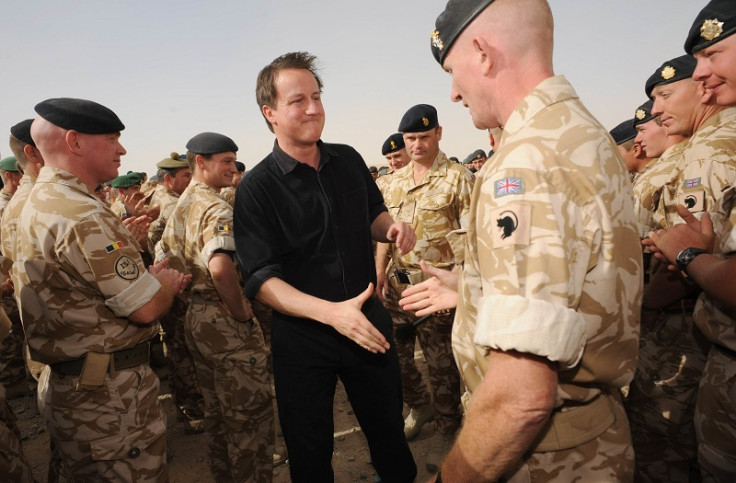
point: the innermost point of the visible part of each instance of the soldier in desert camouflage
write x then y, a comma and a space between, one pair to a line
88, 305
221, 332
689, 246
547, 325
433, 196
175, 176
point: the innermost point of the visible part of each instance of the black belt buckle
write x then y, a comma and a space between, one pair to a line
403, 276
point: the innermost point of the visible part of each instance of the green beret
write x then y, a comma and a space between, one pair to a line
79, 115
8, 164
478, 154
458, 14
671, 71
644, 113
623, 132
393, 143
419, 118
22, 131
211, 143
713, 24
126, 180
175, 161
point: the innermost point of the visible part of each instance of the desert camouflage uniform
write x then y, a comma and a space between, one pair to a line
184, 384
80, 275
13, 464
118, 207
12, 365
228, 194
673, 351
434, 206
553, 268
230, 356
715, 418
705, 167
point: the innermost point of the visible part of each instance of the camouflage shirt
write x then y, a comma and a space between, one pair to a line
200, 225
553, 261
9, 223
715, 319
705, 166
228, 194
5, 198
118, 207
436, 205
79, 273
648, 187
166, 199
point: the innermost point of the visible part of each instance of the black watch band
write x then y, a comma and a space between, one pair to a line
686, 256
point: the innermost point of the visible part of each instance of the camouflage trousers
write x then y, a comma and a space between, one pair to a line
13, 464
661, 400
715, 417
609, 457
231, 365
184, 382
12, 361
116, 432
435, 339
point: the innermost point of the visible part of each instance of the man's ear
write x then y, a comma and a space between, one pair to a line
483, 50
268, 113
74, 142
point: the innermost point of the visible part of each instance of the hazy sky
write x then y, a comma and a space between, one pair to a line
172, 69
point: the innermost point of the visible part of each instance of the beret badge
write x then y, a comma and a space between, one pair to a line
711, 29
668, 72
425, 121
640, 114
393, 144
437, 42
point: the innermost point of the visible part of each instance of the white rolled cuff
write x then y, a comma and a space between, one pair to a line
532, 326
138, 294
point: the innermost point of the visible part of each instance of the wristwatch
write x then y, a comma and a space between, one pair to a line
686, 256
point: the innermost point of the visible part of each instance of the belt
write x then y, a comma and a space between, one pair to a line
122, 359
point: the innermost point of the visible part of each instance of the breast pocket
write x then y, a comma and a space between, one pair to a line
436, 215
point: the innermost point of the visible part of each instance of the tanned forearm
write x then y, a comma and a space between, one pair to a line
506, 413
715, 276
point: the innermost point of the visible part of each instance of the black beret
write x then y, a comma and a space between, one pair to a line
22, 131
671, 71
419, 118
457, 15
393, 143
373, 169
643, 113
211, 143
239, 166
79, 115
713, 24
624, 132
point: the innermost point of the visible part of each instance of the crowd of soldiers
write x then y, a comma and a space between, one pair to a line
569, 290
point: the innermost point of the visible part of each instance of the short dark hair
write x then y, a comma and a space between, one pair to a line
265, 85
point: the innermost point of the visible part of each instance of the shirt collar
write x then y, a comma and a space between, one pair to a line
287, 164
60, 176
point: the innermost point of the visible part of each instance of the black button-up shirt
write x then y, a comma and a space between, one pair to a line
309, 228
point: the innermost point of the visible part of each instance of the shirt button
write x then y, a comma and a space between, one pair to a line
252, 361
134, 453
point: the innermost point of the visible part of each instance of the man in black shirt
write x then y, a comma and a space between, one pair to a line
304, 219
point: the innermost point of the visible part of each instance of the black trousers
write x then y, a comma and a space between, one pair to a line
308, 357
